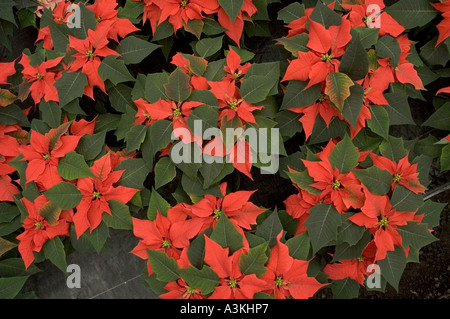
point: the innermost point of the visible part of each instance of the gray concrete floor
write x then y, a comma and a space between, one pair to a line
116, 274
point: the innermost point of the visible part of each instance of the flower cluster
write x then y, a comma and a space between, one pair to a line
94, 188
369, 196
179, 13
232, 274
231, 107
319, 63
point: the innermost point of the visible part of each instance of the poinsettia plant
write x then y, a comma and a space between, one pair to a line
117, 115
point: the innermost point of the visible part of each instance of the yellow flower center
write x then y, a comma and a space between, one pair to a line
96, 195
217, 213
383, 222
190, 290
327, 57
322, 97
232, 283
46, 156
166, 244
176, 112
233, 105
397, 178
279, 282
191, 73
90, 54
336, 184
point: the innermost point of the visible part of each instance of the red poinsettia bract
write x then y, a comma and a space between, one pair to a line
230, 101
286, 276
97, 191
6, 70
356, 268
197, 82
106, 14
384, 72
382, 220
404, 173
180, 12
298, 206
235, 28
43, 154
87, 56
239, 154
43, 222
42, 78
159, 234
344, 190
233, 284
206, 212
236, 206
11, 137
360, 16
321, 107
179, 112
326, 45
235, 71
444, 25
179, 289
60, 14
